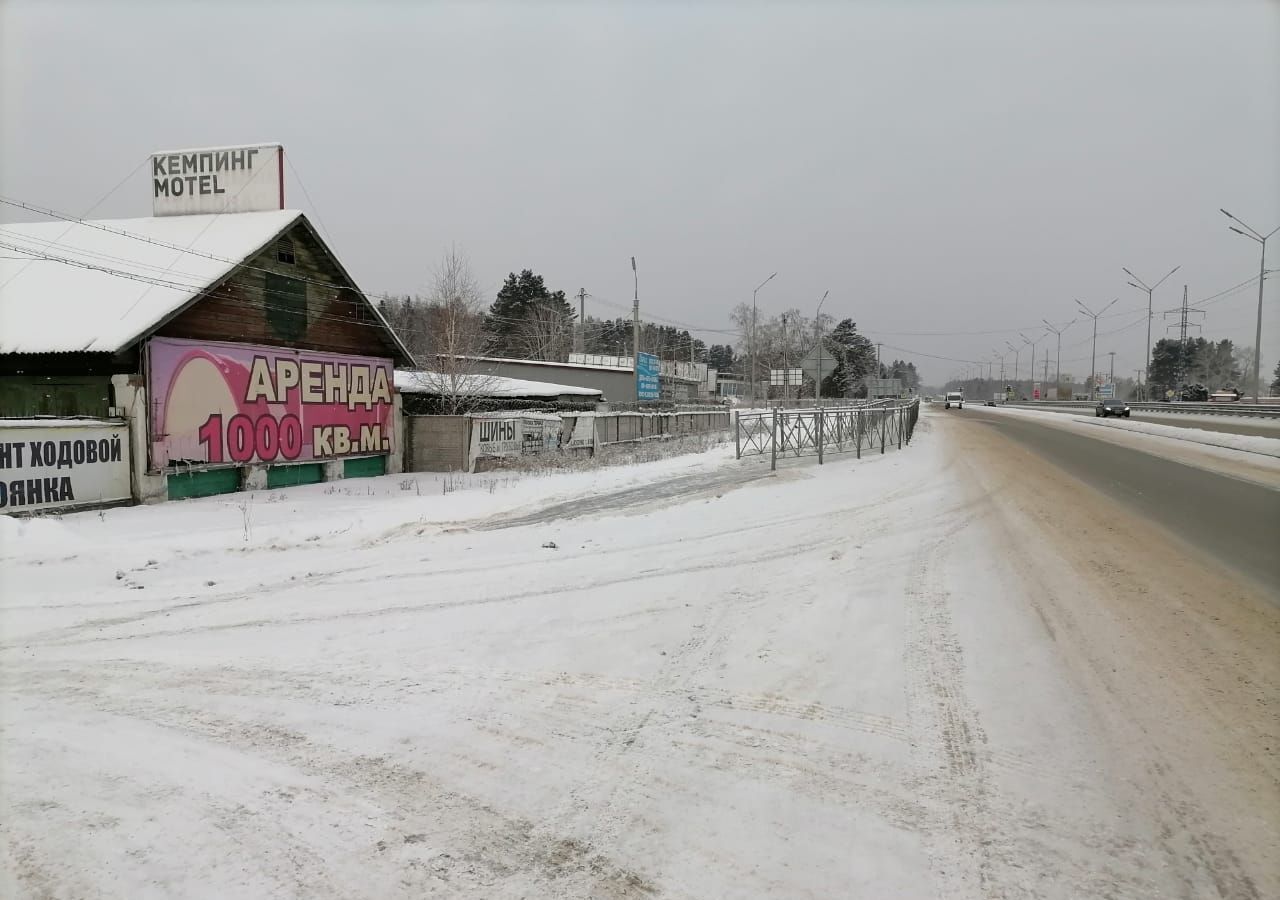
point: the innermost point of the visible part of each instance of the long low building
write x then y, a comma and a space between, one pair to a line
468, 386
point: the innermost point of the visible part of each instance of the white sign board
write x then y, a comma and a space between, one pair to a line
217, 180
513, 435
62, 463
1107, 391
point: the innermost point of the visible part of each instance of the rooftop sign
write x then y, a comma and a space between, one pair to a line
217, 180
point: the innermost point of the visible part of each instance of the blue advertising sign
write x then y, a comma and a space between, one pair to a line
647, 377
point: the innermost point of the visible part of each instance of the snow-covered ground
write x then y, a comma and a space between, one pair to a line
686, 678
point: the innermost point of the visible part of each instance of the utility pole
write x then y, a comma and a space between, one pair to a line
877, 360
1142, 286
752, 375
1093, 354
786, 374
582, 321
1045, 380
1261, 239
1016, 352
1112, 377
997, 354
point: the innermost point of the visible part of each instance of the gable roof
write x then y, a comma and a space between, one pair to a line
88, 288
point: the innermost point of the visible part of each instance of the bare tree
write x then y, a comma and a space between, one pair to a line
455, 336
545, 333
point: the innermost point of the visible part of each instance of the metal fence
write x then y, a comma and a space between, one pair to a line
801, 432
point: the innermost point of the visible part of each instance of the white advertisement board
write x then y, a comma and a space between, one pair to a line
62, 463
513, 435
217, 180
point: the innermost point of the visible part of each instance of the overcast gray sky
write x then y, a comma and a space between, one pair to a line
941, 168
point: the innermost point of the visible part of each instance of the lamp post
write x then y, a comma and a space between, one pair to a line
1142, 286
1261, 239
1016, 352
753, 335
1093, 355
817, 342
1027, 340
1057, 377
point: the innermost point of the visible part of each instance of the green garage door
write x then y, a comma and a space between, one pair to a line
185, 485
288, 476
364, 467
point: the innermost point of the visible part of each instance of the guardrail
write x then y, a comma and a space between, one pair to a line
799, 432
1261, 410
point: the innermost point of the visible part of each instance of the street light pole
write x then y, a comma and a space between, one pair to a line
1142, 286
1016, 352
1113, 367
635, 317
1058, 364
1254, 235
753, 336
1093, 354
817, 342
1027, 340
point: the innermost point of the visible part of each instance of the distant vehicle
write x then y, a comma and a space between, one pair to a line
1226, 395
990, 403
1111, 408
956, 397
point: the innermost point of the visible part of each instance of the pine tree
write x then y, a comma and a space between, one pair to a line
528, 321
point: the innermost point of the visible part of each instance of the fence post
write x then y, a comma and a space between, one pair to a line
818, 416
773, 442
858, 431
901, 410
884, 429
737, 433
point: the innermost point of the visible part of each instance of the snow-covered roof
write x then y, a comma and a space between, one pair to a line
480, 385
68, 303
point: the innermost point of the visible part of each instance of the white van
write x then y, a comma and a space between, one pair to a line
956, 397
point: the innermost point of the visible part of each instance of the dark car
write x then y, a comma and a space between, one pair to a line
1112, 408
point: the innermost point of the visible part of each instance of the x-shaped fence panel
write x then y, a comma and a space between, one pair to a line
800, 432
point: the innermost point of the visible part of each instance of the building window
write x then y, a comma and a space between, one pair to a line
284, 251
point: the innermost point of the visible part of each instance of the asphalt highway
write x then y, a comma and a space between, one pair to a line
1225, 424
1234, 521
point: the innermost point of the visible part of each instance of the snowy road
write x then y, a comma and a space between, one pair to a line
934, 673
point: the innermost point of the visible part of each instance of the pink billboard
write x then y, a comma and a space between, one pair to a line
214, 403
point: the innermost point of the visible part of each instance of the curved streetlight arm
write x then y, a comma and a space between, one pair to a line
766, 281
1238, 222
1162, 280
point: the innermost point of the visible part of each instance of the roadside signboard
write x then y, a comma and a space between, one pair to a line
1107, 391
214, 403
62, 463
818, 364
1035, 391
647, 380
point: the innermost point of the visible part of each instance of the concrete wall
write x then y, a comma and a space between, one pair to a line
619, 385
436, 443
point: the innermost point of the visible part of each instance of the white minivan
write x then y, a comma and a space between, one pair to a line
956, 397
